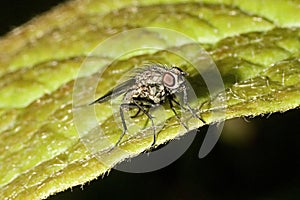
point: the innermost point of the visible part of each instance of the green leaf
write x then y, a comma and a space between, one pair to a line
254, 45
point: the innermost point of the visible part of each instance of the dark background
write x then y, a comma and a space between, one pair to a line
17, 12
255, 159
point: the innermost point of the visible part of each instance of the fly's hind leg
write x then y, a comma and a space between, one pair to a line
122, 106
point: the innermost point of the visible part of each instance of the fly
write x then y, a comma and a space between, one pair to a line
149, 87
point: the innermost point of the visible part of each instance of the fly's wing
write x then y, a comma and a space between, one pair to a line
118, 90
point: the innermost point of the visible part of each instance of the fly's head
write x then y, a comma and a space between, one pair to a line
174, 80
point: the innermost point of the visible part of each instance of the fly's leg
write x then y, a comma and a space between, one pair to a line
173, 100
185, 101
140, 107
123, 124
149, 117
122, 106
176, 115
136, 114
147, 120
195, 114
139, 111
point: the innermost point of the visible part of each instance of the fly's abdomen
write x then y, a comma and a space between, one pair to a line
150, 93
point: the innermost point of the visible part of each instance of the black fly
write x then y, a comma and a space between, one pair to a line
151, 86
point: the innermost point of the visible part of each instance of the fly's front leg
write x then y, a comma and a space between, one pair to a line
185, 101
176, 115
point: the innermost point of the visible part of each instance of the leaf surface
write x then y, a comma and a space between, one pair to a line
254, 45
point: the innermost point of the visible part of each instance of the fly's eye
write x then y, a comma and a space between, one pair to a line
169, 80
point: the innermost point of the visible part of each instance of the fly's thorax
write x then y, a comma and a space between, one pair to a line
149, 77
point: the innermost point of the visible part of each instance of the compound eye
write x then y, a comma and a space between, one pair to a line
169, 80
